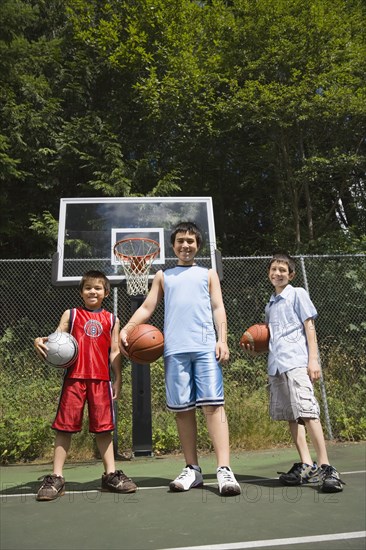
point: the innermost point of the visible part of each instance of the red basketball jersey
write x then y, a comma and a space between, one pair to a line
92, 330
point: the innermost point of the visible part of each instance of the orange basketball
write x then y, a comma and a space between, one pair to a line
258, 336
145, 344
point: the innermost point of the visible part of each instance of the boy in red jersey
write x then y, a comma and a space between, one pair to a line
88, 380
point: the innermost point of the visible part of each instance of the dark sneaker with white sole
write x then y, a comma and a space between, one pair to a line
330, 481
300, 474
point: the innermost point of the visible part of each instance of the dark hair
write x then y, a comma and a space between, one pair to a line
94, 274
187, 227
285, 258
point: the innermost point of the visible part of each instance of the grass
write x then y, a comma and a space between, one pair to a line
29, 394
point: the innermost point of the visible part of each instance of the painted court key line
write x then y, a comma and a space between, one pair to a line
274, 542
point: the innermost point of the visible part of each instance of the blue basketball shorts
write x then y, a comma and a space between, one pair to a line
193, 380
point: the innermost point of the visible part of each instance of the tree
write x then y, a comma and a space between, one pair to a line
29, 115
297, 77
260, 105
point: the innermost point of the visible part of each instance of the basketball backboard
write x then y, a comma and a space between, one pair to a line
89, 228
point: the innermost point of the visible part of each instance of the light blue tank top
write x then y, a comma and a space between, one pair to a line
188, 322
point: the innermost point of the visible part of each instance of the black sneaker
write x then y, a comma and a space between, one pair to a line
300, 474
118, 482
52, 487
330, 481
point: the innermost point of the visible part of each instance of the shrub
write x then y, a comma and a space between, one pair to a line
25, 433
28, 403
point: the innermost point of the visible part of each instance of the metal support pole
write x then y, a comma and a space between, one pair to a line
141, 401
115, 403
322, 385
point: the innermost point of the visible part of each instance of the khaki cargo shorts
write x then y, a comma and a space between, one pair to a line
292, 396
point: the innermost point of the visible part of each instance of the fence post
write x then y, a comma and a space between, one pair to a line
115, 402
322, 385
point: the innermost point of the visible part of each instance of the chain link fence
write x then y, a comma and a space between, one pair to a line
31, 306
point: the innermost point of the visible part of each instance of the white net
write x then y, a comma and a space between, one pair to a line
136, 256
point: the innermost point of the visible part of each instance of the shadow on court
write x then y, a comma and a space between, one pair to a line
12, 488
266, 514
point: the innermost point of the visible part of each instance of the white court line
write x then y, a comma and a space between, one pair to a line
253, 480
274, 542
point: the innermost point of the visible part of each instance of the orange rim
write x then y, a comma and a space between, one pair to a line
133, 257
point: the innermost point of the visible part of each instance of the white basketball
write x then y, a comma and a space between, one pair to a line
62, 349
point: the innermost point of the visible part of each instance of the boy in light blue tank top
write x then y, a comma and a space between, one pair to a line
195, 342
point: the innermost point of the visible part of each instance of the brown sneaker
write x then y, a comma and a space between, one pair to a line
52, 487
118, 482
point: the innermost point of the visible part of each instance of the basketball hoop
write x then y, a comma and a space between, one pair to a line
136, 256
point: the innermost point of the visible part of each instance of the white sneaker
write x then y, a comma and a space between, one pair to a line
228, 486
188, 479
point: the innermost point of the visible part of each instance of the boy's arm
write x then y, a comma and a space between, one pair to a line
314, 370
219, 316
144, 312
115, 359
63, 326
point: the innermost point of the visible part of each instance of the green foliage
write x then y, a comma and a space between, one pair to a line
45, 226
236, 100
165, 438
8, 165
346, 378
23, 438
25, 434
249, 421
27, 385
14, 338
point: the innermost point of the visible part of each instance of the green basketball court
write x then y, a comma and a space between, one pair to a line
265, 515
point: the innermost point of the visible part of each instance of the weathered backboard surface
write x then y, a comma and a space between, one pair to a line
89, 228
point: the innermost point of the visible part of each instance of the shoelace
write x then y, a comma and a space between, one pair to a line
226, 475
296, 469
329, 471
121, 475
48, 480
185, 473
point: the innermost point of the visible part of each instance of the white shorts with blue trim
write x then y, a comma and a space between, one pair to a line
193, 380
